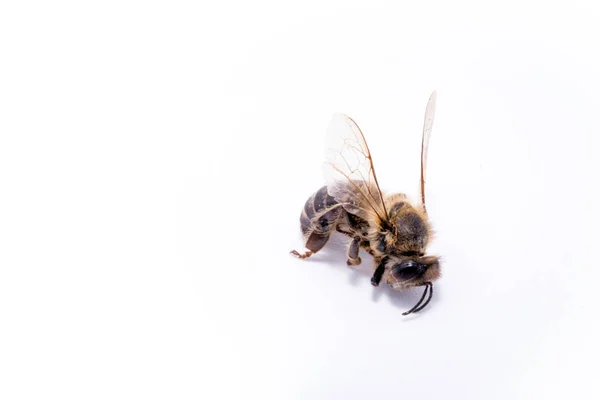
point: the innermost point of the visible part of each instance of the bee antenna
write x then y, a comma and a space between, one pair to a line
428, 299
418, 307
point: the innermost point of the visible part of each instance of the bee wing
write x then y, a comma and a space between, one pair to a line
427, 127
349, 170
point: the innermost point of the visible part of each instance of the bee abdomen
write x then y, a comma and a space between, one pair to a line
319, 217
320, 211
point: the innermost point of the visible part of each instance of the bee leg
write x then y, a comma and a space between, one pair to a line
314, 243
302, 255
378, 274
353, 258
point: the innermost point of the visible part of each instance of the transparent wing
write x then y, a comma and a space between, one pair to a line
427, 127
349, 170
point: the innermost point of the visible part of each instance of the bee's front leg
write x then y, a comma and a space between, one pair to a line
378, 274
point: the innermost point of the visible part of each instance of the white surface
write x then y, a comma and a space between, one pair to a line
154, 159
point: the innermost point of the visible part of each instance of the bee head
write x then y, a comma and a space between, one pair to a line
413, 271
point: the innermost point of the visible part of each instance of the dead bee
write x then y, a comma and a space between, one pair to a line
394, 231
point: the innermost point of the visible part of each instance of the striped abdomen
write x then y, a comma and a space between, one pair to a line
319, 218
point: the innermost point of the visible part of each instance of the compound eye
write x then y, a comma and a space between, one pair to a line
406, 270
408, 273
408, 264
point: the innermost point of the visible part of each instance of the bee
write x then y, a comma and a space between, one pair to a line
393, 231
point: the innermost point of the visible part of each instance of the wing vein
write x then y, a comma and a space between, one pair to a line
349, 157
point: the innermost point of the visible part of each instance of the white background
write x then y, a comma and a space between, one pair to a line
155, 156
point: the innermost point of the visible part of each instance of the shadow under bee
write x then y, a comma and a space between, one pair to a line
334, 256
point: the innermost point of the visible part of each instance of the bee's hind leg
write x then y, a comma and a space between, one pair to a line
314, 243
306, 254
353, 257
